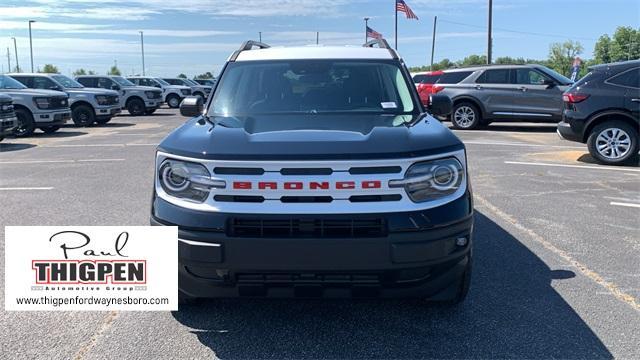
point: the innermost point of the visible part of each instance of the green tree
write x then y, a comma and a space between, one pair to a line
207, 75
80, 72
114, 71
561, 56
602, 50
472, 60
182, 76
49, 69
625, 44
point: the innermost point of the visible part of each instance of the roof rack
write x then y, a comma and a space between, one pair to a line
383, 44
248, 45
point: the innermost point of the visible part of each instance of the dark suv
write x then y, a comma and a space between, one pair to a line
603, 110
530, 93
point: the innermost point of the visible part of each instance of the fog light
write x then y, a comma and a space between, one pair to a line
461, 241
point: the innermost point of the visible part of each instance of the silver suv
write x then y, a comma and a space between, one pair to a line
8, 120
88, 105
46, 110
480, 95
171, 94
138, 100
201, 91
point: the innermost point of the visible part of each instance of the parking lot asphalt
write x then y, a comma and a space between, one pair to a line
556, 260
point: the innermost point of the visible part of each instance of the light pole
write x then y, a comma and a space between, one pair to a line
260, 36
31, 43
15, 48
142, 48
366, 27
489, 42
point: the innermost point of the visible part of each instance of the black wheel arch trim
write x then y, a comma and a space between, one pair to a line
474, 101
597, 118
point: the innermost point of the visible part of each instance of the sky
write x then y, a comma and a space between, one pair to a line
195, 36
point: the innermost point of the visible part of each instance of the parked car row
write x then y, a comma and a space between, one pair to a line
47, 101
601, 109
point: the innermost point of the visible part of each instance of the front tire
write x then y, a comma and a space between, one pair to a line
135, 107
466, 116
173, 101
50, 129
26, 125
83, 115
614, 143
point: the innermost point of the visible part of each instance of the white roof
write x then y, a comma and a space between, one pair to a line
314, 52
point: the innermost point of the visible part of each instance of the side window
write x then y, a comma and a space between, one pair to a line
529, 77
135, 81
494, 76
43, 83
453, 77
105, 83
27, 81
629, 78
88, 82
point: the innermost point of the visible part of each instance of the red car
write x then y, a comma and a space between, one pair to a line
424, 82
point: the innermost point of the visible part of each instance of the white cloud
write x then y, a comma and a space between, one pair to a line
152, 32
43, 25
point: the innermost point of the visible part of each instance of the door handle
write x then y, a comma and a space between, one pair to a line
635, 100
523, 89
478, 87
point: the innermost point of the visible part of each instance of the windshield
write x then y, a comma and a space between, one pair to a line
67, 82
560, 78
312, 87
122, 81
9, 83
161, 81
191, 82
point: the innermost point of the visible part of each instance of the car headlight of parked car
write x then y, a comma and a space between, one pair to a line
7, 107
102, 100
42, 102
187, 180
151, 94
432, 180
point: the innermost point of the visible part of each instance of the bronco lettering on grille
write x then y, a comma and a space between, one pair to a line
311, 185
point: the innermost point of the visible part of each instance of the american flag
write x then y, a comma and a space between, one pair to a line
373, 34
403, 7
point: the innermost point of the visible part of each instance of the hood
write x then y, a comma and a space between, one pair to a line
93, 91
4, 97
177, 87
367, 137
142, 88
33, 92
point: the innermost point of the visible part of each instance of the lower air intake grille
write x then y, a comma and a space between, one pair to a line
306, 228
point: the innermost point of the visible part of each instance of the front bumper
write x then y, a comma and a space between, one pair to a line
418, 256
108, 111
153, 104
52, 118
8, 125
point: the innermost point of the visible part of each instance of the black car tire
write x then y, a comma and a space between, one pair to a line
184, 299
26, 125
103, 121
135, 107
83, 115
595, 140
175, 99
50, 129
149, 111
466, 116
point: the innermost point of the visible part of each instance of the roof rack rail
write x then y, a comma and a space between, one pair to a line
248, 45
383, 44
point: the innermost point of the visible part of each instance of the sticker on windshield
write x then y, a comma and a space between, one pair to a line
389, 105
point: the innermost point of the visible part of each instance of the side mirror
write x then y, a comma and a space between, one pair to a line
191, 106
56, 88
115, 87
549, 83
440, 105
158, 86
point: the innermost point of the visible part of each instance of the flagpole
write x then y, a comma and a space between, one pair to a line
366, 30
395, 6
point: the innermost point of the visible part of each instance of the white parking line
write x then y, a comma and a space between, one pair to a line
472, 142
57, 161
624, 204
573, 166
25, 188
94, 145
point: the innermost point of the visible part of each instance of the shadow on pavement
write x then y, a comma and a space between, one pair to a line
5, 147
58, 134
511, 312
529, 128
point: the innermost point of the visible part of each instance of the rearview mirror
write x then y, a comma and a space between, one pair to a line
191, 106
440, 105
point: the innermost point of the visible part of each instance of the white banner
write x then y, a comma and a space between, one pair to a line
64, 268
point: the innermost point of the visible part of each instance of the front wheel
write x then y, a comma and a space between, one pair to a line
83, 115
135, 107
614, 143
465, 116
50, 129
26, 125
173, 101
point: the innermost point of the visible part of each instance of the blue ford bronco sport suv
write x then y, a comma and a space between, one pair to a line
316, 172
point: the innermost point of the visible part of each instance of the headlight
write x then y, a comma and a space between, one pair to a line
41, 102
151, 94
431, 180
6, 107
187, 180
102, 100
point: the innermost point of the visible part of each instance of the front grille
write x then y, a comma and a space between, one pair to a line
155, 94
6, 110
58, 102
185, 91
306, 228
